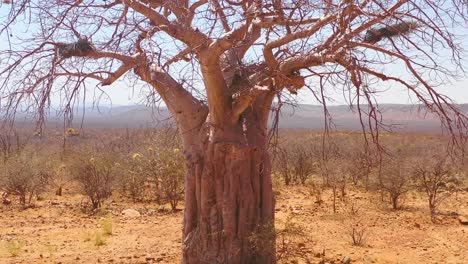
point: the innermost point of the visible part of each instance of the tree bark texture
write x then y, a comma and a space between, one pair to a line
229, 202
229, 199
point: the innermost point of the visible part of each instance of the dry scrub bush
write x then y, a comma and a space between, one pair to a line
11, 144
164, 164
334, 176
25, 174
362, 162
256, 240
171, 175
58, 165
316, 192
95, 173
355, 227
134, 177
159, 165
290, 240
129, 175
302, 162
283, 165
433, 173
395, 178
59, 177
295, 161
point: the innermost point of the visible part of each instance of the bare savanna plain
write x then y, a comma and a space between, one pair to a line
321, 219
56, 231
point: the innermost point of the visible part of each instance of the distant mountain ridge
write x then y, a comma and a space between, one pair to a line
412, 118
403, 118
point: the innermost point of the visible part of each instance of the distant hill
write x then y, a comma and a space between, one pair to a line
404, 117
407, 118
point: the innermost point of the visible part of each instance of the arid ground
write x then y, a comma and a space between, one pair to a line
56, 230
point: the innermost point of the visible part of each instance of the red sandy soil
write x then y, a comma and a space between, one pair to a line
57, 231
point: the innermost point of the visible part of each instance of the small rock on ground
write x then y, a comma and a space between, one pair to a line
346, 260
131, 213
463, 220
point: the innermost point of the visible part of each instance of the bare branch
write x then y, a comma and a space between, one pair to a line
245, 99
189, 36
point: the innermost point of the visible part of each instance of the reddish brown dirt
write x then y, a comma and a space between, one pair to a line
57, 231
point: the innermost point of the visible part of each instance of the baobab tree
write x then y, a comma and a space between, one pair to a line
220, 66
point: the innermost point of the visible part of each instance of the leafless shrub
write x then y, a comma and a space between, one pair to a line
433, 174
11, 144
395, 179
94, 171
290, 239
256, 240
355, 226
134, 177
59, 177
26, 175
294, 161
333, 173
282, 165
171, 172
316, 192
302, 162
162, 163
361, 164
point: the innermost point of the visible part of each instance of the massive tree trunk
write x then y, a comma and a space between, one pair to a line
229, 203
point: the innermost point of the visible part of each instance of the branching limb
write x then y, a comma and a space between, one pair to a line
221, 15
188, 35
189, 112
245, 99
269, 46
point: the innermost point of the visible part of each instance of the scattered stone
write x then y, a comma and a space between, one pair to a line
346, 260
453, 214
6, 201
463, 220
368, 259
417, 225
54, 203
149, 258
301, 245
131, 213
